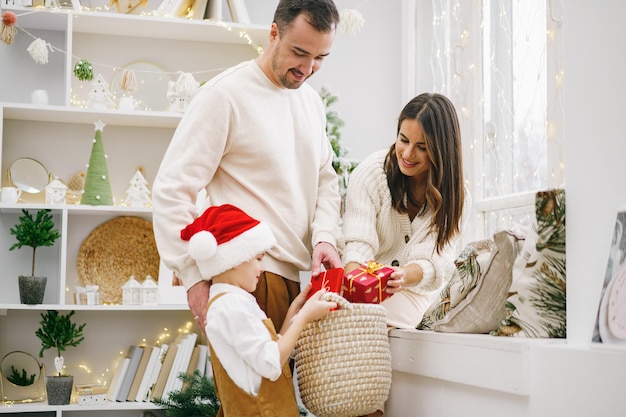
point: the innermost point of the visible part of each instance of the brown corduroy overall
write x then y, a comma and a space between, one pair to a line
275, 399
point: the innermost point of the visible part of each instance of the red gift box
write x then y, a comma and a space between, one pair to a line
331, 280
367, 283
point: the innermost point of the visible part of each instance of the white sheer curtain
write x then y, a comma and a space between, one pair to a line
500, 62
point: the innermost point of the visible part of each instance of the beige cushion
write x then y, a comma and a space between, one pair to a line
472, 260
483, 308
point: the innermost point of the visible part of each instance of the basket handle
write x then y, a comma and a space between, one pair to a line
341, 302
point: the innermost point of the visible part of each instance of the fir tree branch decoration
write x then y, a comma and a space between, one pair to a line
22, 379
343, 166
197, 398
34, 232
83, 70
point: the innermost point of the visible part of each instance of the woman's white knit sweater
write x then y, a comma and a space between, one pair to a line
374, 230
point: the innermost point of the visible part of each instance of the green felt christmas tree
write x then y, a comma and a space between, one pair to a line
97, 190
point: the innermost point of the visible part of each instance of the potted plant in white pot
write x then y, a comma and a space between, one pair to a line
57, 331
34, 232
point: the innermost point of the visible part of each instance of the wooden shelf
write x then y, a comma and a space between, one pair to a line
76, 115
146, 26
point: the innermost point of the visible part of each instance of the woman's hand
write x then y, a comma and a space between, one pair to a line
396, 280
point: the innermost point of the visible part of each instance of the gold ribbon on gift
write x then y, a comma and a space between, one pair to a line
371, 268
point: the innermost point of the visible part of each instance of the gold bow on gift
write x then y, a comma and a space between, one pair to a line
373, 267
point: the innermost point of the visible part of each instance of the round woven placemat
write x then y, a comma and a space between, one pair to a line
115, 251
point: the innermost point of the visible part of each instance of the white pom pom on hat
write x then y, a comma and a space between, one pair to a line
224, 237
202, 245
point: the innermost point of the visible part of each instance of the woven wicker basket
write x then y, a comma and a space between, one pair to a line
113, 252
343, 361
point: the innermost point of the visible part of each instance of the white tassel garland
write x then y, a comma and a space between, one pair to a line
351, 21
128, 81
186, 85
8, 31
38, 50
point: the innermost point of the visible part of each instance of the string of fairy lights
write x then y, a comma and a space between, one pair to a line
103, 376
502, 66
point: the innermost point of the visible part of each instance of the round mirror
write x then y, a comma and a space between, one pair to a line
29, 175
20, 368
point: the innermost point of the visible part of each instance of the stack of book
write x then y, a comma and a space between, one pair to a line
148, 372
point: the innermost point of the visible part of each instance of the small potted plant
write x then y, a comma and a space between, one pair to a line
57, 331
33, 232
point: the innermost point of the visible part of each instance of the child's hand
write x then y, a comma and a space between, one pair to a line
300, 299
315, 308
298, 302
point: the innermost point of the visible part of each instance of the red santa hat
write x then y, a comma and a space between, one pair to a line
224, 237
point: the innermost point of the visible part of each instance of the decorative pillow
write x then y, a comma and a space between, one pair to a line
536, 306
483, 309
474, 258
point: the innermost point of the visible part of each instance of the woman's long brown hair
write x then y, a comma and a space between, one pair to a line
445, 192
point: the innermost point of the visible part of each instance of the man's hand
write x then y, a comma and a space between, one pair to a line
324, 254
198, 299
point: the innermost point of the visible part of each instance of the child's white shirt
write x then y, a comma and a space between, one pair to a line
244, 346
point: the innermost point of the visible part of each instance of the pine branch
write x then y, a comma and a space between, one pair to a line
197, 398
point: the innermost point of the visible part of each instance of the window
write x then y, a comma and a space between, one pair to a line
500, 62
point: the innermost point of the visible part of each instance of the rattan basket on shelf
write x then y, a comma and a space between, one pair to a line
343, 361
116, 250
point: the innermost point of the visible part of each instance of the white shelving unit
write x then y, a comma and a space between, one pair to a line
60, 136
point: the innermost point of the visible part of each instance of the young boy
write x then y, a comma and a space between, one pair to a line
250, 361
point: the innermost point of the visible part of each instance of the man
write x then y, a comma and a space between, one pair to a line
254, 136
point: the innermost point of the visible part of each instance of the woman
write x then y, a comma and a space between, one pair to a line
405, 207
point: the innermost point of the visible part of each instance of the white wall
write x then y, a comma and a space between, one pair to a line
595, 145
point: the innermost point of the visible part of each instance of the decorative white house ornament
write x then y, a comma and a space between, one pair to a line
56, 191
149, 291
100, 96
176, 103
138, 194
131, 291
